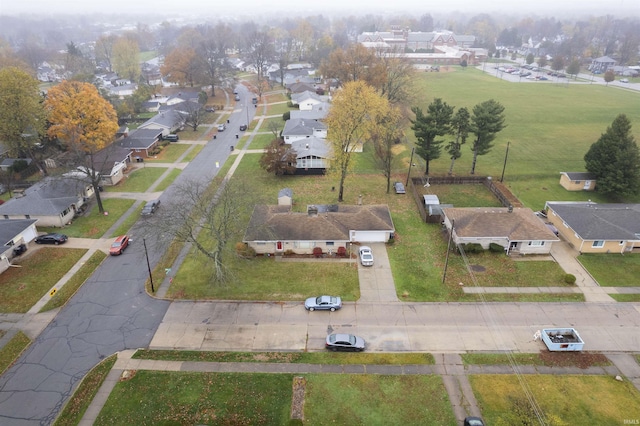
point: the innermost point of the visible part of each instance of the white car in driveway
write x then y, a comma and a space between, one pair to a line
366, 256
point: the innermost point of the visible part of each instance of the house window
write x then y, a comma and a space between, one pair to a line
536, 243
261, 243
621, 243
306, 244
329, 243
597, 244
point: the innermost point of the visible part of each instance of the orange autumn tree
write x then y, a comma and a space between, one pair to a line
85, 122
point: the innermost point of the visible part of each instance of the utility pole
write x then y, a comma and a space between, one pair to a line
144, 243
446, 262
410, 166
506, 155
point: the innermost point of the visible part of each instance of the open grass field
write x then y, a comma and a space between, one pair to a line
570, 400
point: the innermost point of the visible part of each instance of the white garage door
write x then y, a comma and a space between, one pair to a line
369, 236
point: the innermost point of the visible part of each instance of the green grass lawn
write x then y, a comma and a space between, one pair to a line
169, 154
570, 400
94, 224
376, 400
193, 153
158, 397
261, 141
128, 222
69, 289
12, 350
21, 288
613, 270
566, 359
335, 358
168, 180
138, 180
278, 109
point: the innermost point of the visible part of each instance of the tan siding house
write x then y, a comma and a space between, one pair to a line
578, 181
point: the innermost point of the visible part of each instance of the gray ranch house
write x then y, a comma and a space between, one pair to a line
275, 229
52, 201
302, 129
141, 142
313, 155
518, 230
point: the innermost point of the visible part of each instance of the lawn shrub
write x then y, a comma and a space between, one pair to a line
244, 250
317, 252
472, 248
286, 116
289, 252
569, 278
496, 248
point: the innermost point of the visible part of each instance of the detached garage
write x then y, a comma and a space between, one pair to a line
276, 229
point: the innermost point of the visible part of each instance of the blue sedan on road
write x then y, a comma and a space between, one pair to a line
330, 303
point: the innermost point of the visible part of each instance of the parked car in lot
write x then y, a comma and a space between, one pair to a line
330, 303
118, 246
366, 256
243, 127
399, 187
344, 342
221, 127
150, 208
53, 238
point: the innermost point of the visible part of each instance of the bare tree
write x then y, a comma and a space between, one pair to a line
207, 219
385, 136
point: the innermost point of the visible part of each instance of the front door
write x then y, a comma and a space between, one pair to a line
587, 185
279, 246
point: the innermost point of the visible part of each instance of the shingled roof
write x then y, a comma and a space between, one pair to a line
279, 223
592, 221
497, 222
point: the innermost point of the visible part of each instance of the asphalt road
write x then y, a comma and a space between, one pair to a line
110, 313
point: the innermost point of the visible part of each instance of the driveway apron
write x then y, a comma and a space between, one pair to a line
376, 282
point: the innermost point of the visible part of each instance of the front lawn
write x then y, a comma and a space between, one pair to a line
159, 397
261, 140
138, 180
94, 224
613, 270
169, 154
22, 287
570, 400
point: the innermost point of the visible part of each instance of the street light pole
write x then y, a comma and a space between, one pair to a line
144, 243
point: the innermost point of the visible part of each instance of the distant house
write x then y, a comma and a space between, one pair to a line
285, 197
167, 122
296, 129
312, 155
597, 228
299, 87
518, 230
52, 201
141, 141
276, 229
13, 233
601, 64
307, 100
578, 181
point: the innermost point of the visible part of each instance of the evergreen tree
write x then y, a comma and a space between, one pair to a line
428, 127
615, 161
486, 122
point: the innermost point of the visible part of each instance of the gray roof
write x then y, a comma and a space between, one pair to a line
279, 223
592, 221
311, 147
8, 162
168, 119
299, 87
11, 227
302, 127
106, 158
497, 222
580, 175
299, 97
50, 196
140, 139
314, 114
285, 192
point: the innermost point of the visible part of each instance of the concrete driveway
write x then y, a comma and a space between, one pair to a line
376, 282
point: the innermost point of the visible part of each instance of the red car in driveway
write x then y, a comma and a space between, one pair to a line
118, 246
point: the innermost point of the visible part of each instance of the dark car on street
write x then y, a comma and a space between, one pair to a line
243, 127
330, 303
150, 208
345, 342
52, 238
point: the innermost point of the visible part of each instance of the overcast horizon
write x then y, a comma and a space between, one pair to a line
617, 8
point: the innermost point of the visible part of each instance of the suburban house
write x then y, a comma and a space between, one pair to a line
597, 228
578, 181
318, 112
274, 229
312, 155
167, 122
8, 162
601, 65
285, 197
52, 201
307, 100
111, 162
141, 141
299, 87
296, 129
13, 233
518, 230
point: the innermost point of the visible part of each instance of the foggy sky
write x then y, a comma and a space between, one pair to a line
212, 8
